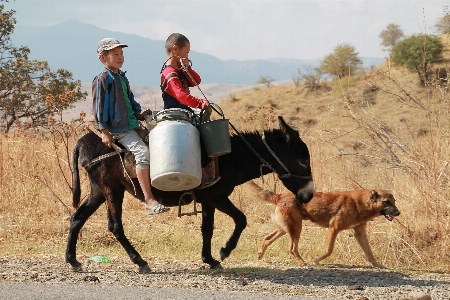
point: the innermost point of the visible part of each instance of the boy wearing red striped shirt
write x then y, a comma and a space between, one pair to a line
175, 83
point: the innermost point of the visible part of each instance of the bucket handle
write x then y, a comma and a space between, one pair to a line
216, 108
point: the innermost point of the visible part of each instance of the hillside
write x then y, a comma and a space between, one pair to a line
326, 110
392, 95
363, 131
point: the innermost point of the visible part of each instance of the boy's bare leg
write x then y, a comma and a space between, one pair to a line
143, 176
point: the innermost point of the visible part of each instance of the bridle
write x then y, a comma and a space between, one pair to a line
288, 175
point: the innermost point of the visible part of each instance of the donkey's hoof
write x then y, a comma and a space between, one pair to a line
223, 254
76, 267
144, 269
217, 267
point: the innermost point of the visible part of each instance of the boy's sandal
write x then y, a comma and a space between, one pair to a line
208, 182
157, 209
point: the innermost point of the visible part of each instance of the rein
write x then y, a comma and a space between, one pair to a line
282, 165
264, 163
99, 158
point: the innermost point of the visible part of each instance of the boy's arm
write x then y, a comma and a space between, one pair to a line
194, 75
98, 96
172, 86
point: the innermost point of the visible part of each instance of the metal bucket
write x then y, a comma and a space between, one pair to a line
216, 135
174, 143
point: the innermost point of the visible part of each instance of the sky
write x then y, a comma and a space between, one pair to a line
246, 29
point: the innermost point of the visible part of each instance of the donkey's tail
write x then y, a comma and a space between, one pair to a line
76, 189
255, 191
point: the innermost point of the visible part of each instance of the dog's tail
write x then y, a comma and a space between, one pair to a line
255, 191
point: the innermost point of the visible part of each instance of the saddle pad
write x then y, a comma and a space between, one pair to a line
130, 165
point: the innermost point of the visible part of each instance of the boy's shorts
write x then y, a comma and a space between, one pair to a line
133, 143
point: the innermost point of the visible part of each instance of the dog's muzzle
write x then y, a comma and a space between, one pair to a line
390, 213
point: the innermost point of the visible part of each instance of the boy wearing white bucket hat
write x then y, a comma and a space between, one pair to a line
117, 114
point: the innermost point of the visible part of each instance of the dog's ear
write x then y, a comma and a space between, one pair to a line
374, 195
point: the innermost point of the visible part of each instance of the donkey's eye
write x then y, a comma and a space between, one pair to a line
303, 162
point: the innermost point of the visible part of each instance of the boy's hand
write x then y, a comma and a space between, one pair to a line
141, 117
205, 105
185, 62
107, 138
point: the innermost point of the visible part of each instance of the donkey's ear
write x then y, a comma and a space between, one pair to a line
288, 132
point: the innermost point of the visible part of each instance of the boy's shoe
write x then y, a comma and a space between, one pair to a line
157, 209
208, 182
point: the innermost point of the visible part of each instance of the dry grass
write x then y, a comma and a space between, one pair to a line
375, 130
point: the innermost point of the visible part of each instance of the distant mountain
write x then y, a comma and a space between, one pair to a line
72, 46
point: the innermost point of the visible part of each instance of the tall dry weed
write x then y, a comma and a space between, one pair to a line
406, 156
36, 185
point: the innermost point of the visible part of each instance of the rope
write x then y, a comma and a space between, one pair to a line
99, 158
274, 155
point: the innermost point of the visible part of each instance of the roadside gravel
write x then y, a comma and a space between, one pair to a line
335, 282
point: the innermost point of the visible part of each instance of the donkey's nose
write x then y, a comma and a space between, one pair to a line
305, 194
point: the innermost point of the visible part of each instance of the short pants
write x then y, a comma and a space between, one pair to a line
133, 143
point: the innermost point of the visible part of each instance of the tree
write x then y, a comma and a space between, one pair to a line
417, 52
29, 91
443, 24
390, 36
267, 80
342, 62
311, 79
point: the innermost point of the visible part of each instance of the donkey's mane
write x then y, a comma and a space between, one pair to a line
254, 133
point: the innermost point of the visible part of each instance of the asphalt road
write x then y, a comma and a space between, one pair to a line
28, 291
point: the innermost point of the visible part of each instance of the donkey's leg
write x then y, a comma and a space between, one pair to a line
207, 233
240, 222
77, 221
115, 199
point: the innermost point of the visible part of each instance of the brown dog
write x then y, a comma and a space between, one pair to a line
336, 211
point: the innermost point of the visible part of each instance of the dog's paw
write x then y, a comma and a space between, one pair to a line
303, 264
317, 261
380, 266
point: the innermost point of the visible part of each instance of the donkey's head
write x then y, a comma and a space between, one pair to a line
294, 154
